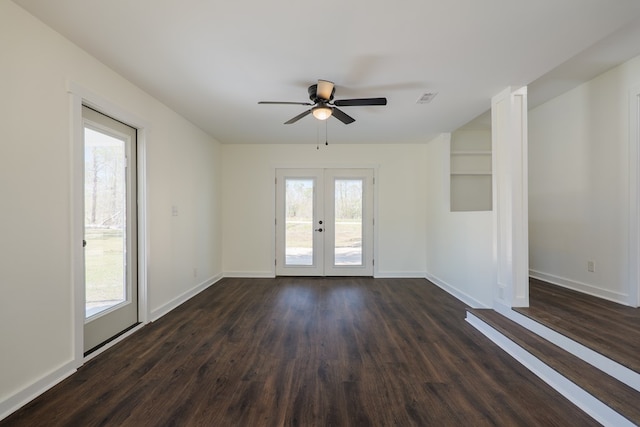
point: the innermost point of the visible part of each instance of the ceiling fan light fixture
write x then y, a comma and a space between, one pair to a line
321, 112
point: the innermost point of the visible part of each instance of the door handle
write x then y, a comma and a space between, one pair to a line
318, 229
84, 243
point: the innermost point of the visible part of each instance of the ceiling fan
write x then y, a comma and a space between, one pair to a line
323, 105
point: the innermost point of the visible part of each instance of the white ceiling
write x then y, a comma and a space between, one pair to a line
213, 60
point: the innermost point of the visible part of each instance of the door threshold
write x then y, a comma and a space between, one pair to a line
110, 342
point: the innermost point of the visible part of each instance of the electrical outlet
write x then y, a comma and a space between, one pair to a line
591, 266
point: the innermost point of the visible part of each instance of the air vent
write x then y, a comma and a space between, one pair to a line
426, 98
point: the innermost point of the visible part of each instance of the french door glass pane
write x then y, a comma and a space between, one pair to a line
105, 196
299, 221
348, 222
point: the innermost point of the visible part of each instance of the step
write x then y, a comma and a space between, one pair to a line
616, 395
578, 346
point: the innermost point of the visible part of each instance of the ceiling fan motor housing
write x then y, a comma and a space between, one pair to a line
313, 94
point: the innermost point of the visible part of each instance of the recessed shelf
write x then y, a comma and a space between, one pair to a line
470, 171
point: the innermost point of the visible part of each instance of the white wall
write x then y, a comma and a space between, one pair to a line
459, 244
579, 185
249, 202
184, 169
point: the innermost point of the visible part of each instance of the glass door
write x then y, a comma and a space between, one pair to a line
110, 228
299, 223
349, 210
324, 222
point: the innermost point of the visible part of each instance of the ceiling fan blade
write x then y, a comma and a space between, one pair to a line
285, 103
360, 102
342, 116
298, 117
325, 90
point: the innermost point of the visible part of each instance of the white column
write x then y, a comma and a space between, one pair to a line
510, 197
634, 197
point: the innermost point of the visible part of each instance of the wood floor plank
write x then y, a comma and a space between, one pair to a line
305, 352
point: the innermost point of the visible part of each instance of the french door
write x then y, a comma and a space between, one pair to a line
324, 222
110, 260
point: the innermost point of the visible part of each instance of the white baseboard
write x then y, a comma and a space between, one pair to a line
583, 400
377, 275
465, 298
399, 274
165, 308
27, 394
250, 274
581, 287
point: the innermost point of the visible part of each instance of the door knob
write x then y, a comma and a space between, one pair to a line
319, 229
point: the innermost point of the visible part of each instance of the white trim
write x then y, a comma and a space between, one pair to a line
583, 400
77, 230
580, 287
274, 234
143, 235
634, 198
376, 234
183, 297
380, 275
446, 170
386, 274
80, 96
93, 100
465, 298
606, 365
250, 274
35, 389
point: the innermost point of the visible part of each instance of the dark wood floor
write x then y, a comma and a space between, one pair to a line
305, 352
604, 326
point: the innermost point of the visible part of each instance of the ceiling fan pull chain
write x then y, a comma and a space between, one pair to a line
326, 133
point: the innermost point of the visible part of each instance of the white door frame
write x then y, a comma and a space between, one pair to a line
81, 96
634, 198
327, 165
